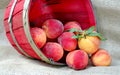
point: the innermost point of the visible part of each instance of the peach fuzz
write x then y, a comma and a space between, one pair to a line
53, 28
39, 36
53, 51
72, 24
77, 59
101, 58
68, 43
89, 44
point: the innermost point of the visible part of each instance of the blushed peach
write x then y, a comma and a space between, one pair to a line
53, 51
101, 58
67, 41
72, 24
53, 28
77, 59
39, 36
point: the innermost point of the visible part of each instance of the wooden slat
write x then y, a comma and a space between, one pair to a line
23, 42
17, 22
81, 17
11, 2
18, 8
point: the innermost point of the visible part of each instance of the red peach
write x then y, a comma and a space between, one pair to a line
38, 36
53, 51
53, 28
72, 24
68, 43
77, 59
101, 58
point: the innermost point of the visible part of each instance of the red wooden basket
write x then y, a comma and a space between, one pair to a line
21, 14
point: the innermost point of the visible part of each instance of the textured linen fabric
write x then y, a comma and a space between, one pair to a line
108, 23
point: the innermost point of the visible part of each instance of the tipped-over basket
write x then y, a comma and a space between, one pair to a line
21, 14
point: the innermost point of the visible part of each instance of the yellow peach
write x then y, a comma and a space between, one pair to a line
89, 44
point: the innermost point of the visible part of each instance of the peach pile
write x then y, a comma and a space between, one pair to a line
70, 44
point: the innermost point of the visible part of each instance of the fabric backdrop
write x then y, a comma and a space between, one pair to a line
108, 21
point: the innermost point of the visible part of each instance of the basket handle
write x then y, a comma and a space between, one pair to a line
28, 35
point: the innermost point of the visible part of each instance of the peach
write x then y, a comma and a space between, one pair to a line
53, 28
101, 58
53, 51
39, 36
89, 44
72, 24
77, 59
68, 43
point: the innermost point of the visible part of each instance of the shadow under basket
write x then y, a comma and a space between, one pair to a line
20, 15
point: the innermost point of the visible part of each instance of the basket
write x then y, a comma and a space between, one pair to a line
21, 14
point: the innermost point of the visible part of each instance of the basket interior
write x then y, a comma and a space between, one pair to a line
64, 10
41, 10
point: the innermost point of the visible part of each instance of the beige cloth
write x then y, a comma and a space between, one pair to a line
108, 19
